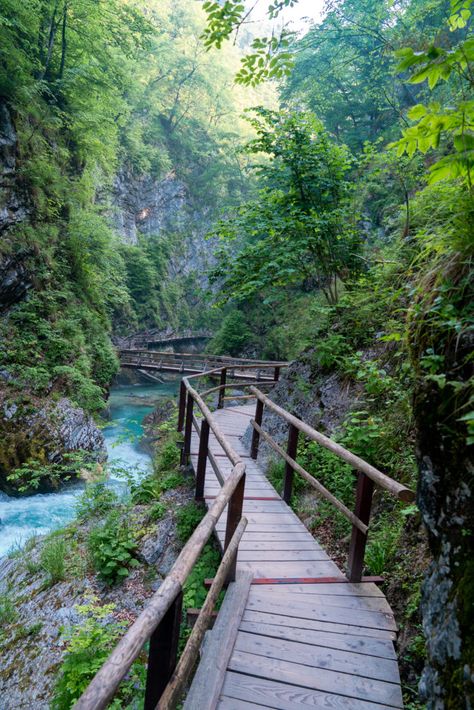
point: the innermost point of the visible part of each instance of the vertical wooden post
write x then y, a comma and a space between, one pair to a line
222, 382
234, 513
202, 460
256, 435
162, 654
291, 450
186, 450
182, 405
276, 376
355, 563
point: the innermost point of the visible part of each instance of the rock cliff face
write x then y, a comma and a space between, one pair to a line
44, 431
15, 279
142, 204
445, 498
13, 204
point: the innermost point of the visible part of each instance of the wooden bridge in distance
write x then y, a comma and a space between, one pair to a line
294, 631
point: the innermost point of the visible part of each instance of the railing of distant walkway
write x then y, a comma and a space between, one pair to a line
159, 623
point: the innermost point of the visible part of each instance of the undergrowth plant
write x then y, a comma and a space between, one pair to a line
111, 546
88, 645
52, 559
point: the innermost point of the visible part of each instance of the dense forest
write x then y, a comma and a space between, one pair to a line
300, 195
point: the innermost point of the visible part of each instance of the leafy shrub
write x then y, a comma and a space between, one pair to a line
111, 546
52, 559
188, 518
88, 646
363, 435
205, 568
97, 498
331, 351
144, 491
171, 480
157, 511
382, 543
8, 613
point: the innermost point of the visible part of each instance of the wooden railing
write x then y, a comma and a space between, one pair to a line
195, 363
160, 621
367, 476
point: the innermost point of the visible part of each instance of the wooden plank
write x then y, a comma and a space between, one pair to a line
282, 556
209, 677
260, 692
317, 625
284, 544
291, 569
318, 679
379, 604
364, 589
322, 612
345, 642
354, 664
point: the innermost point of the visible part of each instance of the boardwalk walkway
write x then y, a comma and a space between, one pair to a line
294, 636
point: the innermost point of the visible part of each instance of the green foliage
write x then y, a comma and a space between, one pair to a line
111, 546
97, 498
34, 474
301, 227
8, 613
435, 122
52, 559
205, 568
157, 511
88, 646
232, 336
144, 491
188, 517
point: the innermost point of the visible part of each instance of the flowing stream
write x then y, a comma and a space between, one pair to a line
39, 514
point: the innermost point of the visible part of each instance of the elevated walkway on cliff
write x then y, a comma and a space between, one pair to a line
294, 631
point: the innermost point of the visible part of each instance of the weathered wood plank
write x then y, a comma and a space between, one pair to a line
209, 678
292, 569
316, 625
317, 609
345, 642
260, 692
318, 679
354, 664
363, 589
282, 555
284, 595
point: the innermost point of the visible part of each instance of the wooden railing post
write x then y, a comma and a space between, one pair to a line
355, 564
202, 460
256, 435
276, 375
222, 383
234, 514
291, 450
163, 654
186, 450
182, 405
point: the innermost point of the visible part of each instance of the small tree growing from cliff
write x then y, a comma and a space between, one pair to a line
300, 228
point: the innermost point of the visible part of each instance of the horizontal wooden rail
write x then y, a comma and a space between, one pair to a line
105, 683
381, 479
313, 481
172, 693
226, 360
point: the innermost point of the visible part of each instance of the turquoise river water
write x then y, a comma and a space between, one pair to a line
39, 514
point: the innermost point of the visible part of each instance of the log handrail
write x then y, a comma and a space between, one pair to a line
381, 479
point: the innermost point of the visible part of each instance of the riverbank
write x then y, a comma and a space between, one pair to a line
76, 589
39, 514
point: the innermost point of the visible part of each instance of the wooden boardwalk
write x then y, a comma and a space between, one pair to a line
292, 633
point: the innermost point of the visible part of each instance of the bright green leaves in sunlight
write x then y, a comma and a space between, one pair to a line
450, 127
301, 227
271, 59
268, 58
